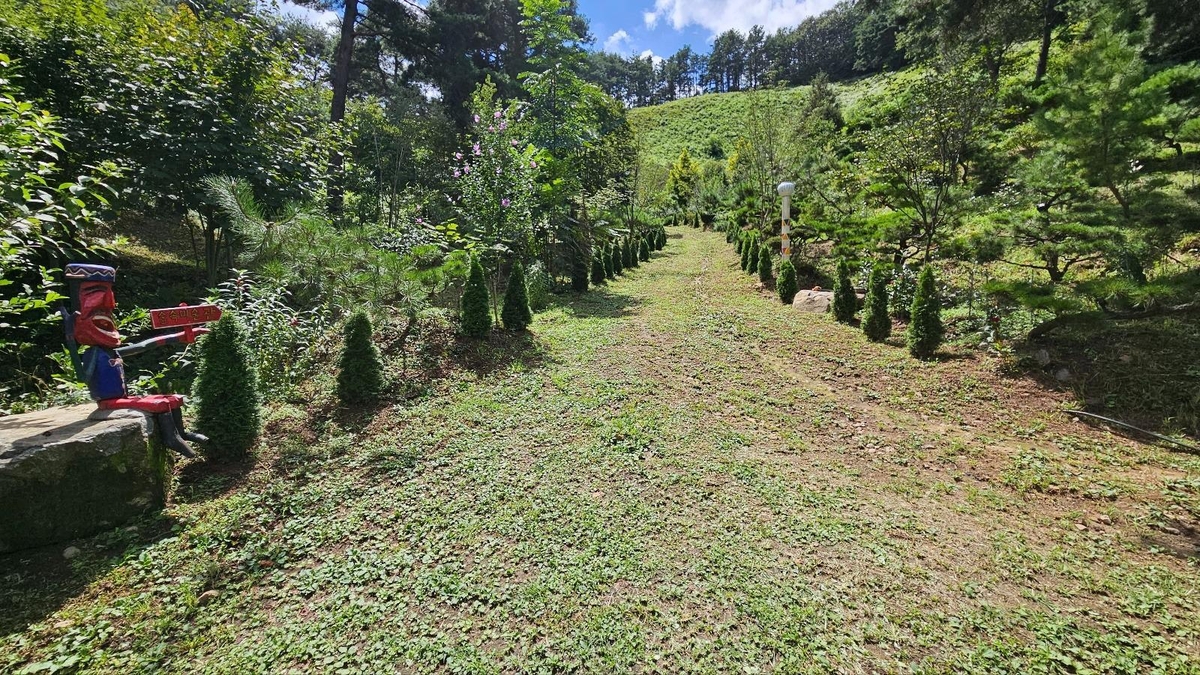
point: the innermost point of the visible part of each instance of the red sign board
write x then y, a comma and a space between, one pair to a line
183, 315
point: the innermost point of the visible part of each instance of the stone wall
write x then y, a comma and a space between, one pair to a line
75, 471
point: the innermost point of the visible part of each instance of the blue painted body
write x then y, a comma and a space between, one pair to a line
104, 373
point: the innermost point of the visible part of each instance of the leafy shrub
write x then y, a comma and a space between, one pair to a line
644, 250
581, 266
845, 302
618, 258
741, 245
745, 253
786, 286
877, 323
537, 283
764, 265
606, 258
628, 257
226, 392
901, 292
752, 258
516, 314
476, 314
598, 275
925, 329
360, 372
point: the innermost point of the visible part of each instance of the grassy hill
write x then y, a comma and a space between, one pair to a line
668, 128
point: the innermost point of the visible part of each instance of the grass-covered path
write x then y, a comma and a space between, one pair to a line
680, 475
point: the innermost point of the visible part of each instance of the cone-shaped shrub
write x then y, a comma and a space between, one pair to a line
644, 251
226, 392
633, 253
581, 267
729, 232
752, 263
877, 323
786, 285
662, 237
925, 329
597, 270
606, 259
764, 265
628, 259
538, 283
360, 372
618, 260
745, 254
845, 301
476, 314
741, 244
516, 314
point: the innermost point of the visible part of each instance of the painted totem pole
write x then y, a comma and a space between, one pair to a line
90, 324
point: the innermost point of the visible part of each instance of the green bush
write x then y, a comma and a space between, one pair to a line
360, 371
741, 245
745, 253
628, 259
606, 257
598, 275
786, 285
752, 258
618, 259
764, 265
644, 251
662, 237
226, 392
925, 330
877, 323
476, 314
516, 314
581, 266
845, 301
538, 283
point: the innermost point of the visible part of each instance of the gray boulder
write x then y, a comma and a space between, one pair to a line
75, 471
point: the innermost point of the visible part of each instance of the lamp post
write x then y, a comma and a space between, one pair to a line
786, 190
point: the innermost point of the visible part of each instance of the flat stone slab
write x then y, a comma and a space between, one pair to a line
75, 471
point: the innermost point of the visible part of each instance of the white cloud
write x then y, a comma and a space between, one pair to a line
617, 42
316, 17
656, 59
719, 16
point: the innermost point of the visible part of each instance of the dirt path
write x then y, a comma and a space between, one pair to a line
682, 475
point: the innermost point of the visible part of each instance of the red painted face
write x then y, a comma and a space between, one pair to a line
94, 324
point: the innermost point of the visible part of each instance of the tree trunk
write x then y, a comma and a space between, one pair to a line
1047, 37
340, 77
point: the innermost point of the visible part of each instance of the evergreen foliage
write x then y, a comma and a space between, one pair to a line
538, 283
618, 258
476, 314
360, 371
764, 265
598, 275
925, 330
580, 267
628, 259
786, 285
845, 301
606, 258
226, 392
877, 322
752, 258
745, 253
644, 251
516, 314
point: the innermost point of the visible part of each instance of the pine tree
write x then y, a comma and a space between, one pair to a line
764, 265
644, 251
360, 371
662, 237
597, 270
581, 266
538, 283
745, 254
606, 259
877, 323
845, 301
516, 314
752, 262
786, 285
628, 259
741, 244
925, 330
618, 260
226, 392
476, 315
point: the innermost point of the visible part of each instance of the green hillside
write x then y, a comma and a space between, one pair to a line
664, 130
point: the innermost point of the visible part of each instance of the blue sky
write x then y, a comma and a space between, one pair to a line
658, 27
634, 27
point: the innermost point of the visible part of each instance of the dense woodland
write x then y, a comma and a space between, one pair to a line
1043, 154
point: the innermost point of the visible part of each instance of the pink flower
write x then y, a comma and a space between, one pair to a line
467, 169
491, 129
458, 155
477, 119
498, 114
457, 173
505, 203
477, 151
503, 126
420, 221
514, 142
532, 164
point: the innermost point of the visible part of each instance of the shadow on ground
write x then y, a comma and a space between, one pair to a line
603, 302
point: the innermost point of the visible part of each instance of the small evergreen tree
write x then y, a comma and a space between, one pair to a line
845, 301
628, 259
581, 266
516, 314
226, 391
925, 330
752, 262
360, 371
618, 260
877, 323
644, 251
764, 265
633, 253
476, 314
662, 237
741, 244
786, 285
606, 259
538, 283
745, 255
597, 270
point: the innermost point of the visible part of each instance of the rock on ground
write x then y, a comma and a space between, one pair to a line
75, 471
